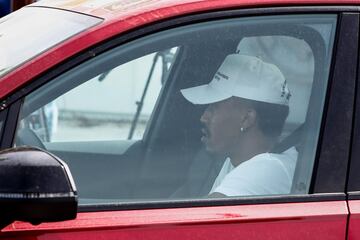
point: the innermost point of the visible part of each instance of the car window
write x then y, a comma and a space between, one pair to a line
87, 112
226, 108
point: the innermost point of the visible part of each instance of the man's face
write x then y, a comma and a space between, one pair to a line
222, 123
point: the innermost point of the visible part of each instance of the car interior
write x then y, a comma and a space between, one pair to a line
169, 162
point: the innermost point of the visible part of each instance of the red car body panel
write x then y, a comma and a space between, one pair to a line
326, 220
354, 220
120, 21
122, 9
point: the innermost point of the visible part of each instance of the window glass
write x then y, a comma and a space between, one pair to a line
228, 108
95, 111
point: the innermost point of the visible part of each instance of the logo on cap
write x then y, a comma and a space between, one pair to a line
285, 92
219, 74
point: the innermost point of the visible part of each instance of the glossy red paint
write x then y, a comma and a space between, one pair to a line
122, 19
325, 220
122, 8
354, 220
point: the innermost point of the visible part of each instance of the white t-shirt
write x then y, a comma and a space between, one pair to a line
264, 174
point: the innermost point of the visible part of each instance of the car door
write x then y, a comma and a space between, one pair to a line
157, 186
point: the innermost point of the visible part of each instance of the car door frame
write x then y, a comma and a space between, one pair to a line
353, 181
333, 145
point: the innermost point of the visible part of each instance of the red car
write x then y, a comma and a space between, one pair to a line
115, 120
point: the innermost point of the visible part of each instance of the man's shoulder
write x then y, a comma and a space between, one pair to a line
264, 174
269, 161
288, 156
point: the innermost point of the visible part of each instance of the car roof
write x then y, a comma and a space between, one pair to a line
124, 15
117, 9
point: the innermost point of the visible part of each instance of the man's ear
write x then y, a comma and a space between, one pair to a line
249, 119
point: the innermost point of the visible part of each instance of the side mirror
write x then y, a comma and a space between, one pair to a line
35, 187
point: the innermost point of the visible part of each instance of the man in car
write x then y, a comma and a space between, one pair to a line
248, 103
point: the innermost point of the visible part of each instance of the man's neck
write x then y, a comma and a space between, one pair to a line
252, 145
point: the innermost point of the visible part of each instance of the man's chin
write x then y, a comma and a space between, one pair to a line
214, 152
212, 148
209, 148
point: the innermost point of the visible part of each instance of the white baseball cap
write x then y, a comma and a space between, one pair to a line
245, 77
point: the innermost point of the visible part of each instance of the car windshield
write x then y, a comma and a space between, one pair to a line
24, 34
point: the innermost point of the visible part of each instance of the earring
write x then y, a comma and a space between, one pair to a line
242, 129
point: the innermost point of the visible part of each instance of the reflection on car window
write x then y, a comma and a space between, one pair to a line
40, 35
234, 115
87, 112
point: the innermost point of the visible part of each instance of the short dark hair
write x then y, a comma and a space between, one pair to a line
270, 117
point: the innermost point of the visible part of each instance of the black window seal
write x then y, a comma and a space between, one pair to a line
211, 202
3, 116
353, 195
10, 125
171, 23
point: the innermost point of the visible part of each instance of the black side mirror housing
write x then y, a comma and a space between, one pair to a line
35, 187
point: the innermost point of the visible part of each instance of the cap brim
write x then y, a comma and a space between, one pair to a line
203, 94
